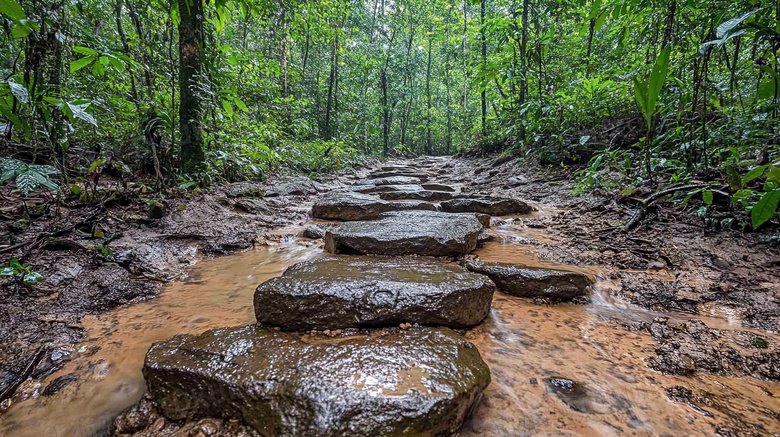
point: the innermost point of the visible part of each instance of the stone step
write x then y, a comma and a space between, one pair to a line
347, 205
397, 180
426, 233
372, 291
424, 380
386, 174
532, 282
413, 194
487, 205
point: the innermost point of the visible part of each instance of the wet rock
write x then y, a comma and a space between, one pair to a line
253, 206
487, 205
58, 384
517, 180
244, 189
422, 381
582, 400
371, 291
294, 187
387, 174
314, 232
692, 346
415, 194
346, 205
412, 205
438, 187
397, 180
426, 233
531, 282
145, 420
156, 210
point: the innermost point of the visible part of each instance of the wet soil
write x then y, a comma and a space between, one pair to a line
607, 368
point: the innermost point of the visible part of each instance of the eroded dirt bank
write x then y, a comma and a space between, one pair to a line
669, 263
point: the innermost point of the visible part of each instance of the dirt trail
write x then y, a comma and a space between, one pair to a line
91, 367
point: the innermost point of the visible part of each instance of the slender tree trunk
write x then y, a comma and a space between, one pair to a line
523, 54
190, 37
428, 145
484, 66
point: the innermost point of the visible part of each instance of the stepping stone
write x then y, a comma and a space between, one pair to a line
438, 187
347, 206
425, 233
371, 291
411, 205
397, 180
244, 189
414, 192
523, 281
487, 205
422, 381
295, 187
386, 174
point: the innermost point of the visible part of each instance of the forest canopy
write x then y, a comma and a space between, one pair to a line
223, 90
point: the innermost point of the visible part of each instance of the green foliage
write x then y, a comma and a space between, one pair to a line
21, 273
28, 177
648, 90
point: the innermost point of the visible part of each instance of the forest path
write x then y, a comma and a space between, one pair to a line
554, 367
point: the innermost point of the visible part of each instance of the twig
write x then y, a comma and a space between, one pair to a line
44, 235
639, 214
28, 370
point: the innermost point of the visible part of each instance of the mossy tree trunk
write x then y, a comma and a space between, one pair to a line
190, 66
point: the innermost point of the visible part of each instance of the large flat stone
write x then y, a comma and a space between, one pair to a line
426, 233
347, 205
413, 192
387, 174
397, 180
532, 282
372, 291
487, 205
421, 382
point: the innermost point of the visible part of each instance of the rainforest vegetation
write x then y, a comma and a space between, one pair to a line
617, 93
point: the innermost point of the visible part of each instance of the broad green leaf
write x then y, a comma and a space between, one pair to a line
12, 10
765, 209
85, 51
774, 174
241, 105
658, 78
94, 166
15, 264
80, 112
754, 174
228, 108
26, 183
6, 271
32, 278
734, 180
22, 29
767, 69
732, 24
19, 91
707, 196
75, 189
81, 63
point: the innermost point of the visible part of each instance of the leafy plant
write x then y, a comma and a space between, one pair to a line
16, 270
646, 92
28, 177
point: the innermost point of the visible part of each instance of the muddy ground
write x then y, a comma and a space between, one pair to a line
95, 259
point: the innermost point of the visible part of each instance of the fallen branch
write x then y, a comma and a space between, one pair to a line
639, 214
28, 370
45, 235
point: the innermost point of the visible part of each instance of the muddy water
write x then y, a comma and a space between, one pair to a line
108, 362
523, 343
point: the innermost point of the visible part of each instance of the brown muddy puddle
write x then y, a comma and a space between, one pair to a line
523, 343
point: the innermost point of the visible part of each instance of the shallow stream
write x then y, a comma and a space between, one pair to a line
523, 343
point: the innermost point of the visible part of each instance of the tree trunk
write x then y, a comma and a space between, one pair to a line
428, 145
484, 66
190, 65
